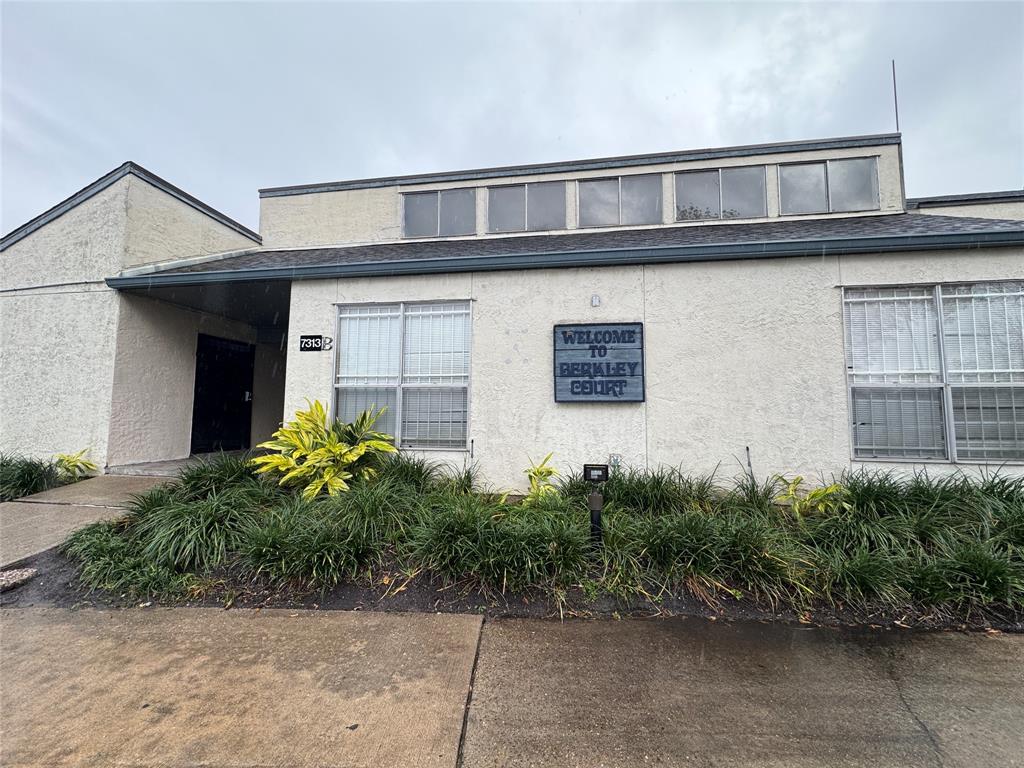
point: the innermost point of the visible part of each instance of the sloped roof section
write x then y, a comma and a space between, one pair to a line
974, 198
113, 177
812, 237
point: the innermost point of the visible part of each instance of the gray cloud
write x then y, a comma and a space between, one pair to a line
224, 98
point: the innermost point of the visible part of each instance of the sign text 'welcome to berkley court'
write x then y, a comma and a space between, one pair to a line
599, 362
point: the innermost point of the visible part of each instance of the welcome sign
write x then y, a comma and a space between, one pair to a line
599, 363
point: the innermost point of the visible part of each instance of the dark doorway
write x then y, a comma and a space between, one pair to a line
222, 407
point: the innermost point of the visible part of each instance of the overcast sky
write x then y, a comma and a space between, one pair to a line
222, 99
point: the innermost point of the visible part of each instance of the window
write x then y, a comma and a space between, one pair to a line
534, 207
726, 193
831, 186
447, 212
413, 359
623, 200
937, 372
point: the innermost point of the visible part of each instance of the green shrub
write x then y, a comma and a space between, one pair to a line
862, 575
761, 556
964, 572
22, 476
500, 547
650, 492
414, 472
381, 512
214, 474
111, 560
304, 542
685, 549
321, 455
199, 534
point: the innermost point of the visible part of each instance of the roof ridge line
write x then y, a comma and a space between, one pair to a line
110, 178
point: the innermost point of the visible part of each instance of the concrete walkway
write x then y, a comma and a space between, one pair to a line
676, 692
35, 523
207, 687
244, 688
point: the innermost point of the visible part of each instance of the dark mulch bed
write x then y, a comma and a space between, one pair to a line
56, 585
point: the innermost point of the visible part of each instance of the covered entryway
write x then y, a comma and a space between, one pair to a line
199, 369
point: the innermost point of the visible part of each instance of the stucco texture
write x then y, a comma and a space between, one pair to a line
1011, 211
82, 366
56, 366
738, 354
374, 214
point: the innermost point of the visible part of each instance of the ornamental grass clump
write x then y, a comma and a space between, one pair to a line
304, 543
199, 534
113, 561
500, 547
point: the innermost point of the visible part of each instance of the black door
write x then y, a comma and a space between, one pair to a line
222, 407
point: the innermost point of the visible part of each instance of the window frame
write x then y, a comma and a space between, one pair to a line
437, 211
618, 184
721, 194
948, 419
828, 191
400, 385
526, 207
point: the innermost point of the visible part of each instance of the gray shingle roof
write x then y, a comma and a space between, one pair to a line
821, 237
899, 226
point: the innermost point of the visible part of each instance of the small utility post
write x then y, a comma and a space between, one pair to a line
595, 474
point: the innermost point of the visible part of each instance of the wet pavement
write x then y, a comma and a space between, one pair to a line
208, 687
35, 523
247, 688
701, 693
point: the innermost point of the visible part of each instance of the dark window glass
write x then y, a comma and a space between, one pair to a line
697, 196
458, 212
599, 203
641, 199
853, 184
546, 208
420, 214
802, 188
743, 195
506, 209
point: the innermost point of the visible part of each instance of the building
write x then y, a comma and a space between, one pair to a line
782, 304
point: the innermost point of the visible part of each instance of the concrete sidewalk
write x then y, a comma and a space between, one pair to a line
244, 688
676, 692
35, 523
208, 687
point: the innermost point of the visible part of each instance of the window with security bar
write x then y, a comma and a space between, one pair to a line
937, 372
412, 359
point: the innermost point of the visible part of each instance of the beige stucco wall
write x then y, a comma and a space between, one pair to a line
57, 330
268, 391
56, 363
162, 228
154, 378
70, 346
375, 215
738, 354
1011, 211
82, 246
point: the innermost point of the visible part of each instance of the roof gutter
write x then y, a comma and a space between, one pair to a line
599, 258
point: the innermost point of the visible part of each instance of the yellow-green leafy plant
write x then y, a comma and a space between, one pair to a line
74, 466
825, 499
323, 455
541, 478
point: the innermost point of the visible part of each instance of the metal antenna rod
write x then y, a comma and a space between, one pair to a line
895, 99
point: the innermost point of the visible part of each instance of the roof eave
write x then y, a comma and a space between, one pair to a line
600, 163
568, 259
